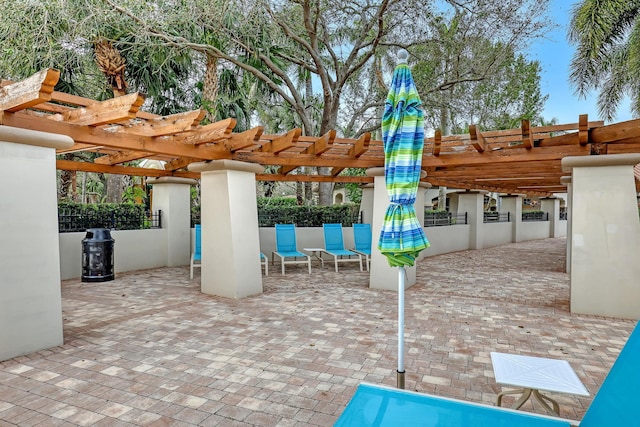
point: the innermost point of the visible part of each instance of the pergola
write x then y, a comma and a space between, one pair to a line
515, 161
592, 163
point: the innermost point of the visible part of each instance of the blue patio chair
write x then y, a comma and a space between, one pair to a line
287, 248
334, 245
362, 242
615, 404
265, 262
196, 255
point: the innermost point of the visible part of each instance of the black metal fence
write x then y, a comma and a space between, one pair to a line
302, 216
535, 216
497, 217
70, 220
440, 219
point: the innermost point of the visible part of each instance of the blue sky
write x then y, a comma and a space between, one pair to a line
554, 54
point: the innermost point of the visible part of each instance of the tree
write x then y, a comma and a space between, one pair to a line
607, 57
468, 69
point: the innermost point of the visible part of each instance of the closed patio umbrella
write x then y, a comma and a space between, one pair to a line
402, 237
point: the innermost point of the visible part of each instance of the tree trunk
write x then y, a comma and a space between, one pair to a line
210, 88
114, 189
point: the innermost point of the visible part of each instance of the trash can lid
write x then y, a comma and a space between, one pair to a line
98, 234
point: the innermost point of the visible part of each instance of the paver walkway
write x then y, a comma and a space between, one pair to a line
149, 349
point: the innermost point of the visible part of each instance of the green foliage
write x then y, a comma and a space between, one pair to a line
120, 216
276, 202
472, 76
308, 216
607, 56
133, 194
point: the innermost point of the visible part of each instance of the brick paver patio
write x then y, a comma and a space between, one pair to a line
149, 349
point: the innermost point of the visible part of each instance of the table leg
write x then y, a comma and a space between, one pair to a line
318, 256
541, 399
526, 394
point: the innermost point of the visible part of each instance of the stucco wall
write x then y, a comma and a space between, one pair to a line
446, 239
534, 230
142, 249
496, 233
133, 250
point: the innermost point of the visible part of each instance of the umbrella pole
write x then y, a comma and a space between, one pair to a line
400, 377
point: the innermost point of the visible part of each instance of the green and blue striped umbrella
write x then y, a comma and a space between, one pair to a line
402, 237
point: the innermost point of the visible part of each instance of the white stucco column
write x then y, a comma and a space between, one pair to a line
366, 203
229, 219
512, 203
30, 299
566, 180
605, 233
551, 206
381, 275
172, 195
472, 202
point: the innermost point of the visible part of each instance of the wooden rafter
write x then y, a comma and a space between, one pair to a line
522, 160
477, 140
32, 91
527, 135
110, 111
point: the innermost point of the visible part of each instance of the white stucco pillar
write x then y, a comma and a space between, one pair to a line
229, 219
172, 195
30, 298
605, 233
472, 202
551, 206
566, 180
512, 203
381, 275
366, 203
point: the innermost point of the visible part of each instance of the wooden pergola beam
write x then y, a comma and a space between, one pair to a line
527, 135
207, 134
120, 170
287, 169
240, 141
583, 129
100, 137
437, 142
121, 157
360, 146
28, 92
281, 143
110, 111
167, 125
476, 138
313, 178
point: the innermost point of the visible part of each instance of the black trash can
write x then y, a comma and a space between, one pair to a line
97, 255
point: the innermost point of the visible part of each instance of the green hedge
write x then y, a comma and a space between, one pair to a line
118, 216
283, 212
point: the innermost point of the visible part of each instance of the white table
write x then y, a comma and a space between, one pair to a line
316, 253
533, 374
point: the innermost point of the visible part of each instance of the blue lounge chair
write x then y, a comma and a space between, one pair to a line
286, 247
362, 242
615, 404
264, 261
196, 255
334, 246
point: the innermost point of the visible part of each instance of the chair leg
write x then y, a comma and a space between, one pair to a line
360, 259
336, 262
309, 263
